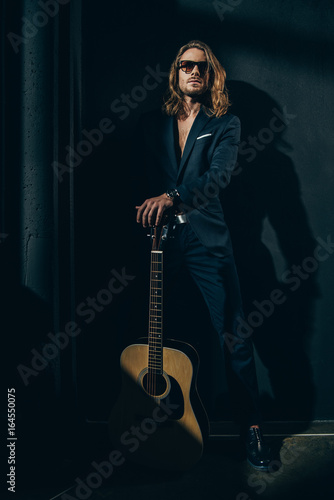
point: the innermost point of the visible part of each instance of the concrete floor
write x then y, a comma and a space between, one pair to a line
306, 472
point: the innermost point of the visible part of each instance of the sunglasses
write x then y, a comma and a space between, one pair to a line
188, 66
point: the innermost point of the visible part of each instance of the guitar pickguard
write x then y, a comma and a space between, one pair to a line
161, 387
168, 421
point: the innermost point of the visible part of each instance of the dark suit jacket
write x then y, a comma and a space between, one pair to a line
205, 168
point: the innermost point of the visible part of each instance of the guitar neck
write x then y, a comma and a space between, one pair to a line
155, 338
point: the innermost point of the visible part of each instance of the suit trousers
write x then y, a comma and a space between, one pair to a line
217, 279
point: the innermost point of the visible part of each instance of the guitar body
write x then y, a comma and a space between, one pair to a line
165, 431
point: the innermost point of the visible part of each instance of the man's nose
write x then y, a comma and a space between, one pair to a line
195, 70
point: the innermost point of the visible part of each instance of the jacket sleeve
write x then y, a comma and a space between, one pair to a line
218, 175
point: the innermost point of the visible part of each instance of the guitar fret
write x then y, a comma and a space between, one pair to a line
155, 354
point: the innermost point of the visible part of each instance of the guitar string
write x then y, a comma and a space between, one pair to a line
153, 333
150, 327
153, 303
155, 316
156, 267
161, 312
151, 330
156, 302
155, 329
155, 359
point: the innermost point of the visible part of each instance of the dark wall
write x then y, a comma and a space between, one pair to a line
67, 230
277, 57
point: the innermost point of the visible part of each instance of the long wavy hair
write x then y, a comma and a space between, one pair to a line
215, 100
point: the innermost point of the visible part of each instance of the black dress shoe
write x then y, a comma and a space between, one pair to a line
258, 452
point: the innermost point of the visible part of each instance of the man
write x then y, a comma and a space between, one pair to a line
189, 152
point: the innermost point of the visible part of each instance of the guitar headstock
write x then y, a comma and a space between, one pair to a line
159, 233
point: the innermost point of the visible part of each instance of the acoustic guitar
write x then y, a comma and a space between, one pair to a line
158, 419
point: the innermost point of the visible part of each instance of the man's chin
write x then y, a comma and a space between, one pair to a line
194, 92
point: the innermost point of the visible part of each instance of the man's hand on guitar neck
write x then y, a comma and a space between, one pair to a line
151, 211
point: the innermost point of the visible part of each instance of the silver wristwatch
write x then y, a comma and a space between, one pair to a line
172, 194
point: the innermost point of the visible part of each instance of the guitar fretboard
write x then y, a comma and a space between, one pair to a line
155, 314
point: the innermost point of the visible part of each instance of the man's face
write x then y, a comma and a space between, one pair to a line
193, 84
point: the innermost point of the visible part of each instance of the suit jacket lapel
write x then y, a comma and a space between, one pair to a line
200, 120
168, 137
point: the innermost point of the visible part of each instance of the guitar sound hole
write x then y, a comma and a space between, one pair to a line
155, 385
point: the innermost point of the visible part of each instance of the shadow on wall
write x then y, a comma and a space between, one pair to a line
278, 309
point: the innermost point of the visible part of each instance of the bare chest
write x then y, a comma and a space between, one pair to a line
184, 127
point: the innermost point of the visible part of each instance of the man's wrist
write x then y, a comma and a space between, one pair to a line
173, 195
